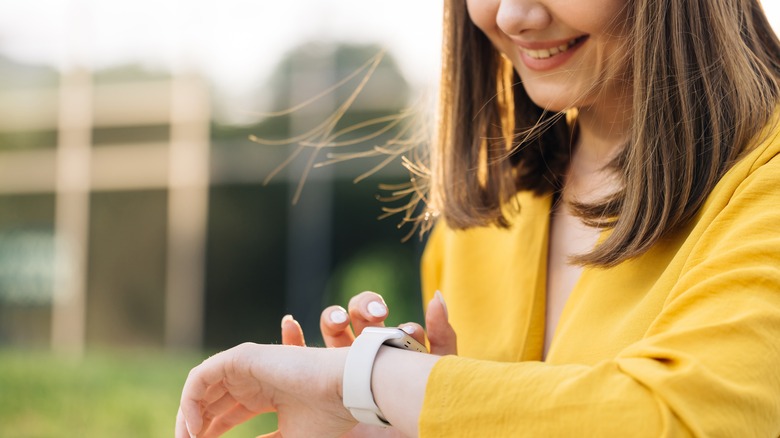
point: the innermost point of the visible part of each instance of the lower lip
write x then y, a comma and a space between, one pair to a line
553, 61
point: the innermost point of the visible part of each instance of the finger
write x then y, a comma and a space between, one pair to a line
335, 329
440, 333
414, 330
230, 419
214, 394
367, 309
215, 409
199, 381
181, 426
276, 434
292, 333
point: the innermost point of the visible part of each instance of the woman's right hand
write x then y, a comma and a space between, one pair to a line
368, 309
339, 327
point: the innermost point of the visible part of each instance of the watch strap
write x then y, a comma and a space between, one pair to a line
357, 394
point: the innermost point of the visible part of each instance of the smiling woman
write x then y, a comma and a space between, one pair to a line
604, 174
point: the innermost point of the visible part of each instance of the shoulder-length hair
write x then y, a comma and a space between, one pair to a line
704, 76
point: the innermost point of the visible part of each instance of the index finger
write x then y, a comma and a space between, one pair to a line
367, 309
199, 380
181, 426
211, 372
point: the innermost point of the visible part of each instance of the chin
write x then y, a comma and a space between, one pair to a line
552, 98
554, 104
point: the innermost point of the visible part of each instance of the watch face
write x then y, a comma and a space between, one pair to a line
407, 343
400, 339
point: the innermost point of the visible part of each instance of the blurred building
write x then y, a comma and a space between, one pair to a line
129, 217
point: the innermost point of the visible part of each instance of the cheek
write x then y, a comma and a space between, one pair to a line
602, 17
483, 15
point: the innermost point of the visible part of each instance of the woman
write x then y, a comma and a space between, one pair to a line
607, 176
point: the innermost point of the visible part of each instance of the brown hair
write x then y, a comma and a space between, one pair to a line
705, 82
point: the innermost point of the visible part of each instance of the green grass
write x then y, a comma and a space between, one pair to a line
118, 394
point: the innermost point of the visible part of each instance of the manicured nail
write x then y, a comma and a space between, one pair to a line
188, 426
286, 318
338, 316
375, 308
443, 304
409, 329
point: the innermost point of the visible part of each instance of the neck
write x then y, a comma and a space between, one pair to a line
602, 133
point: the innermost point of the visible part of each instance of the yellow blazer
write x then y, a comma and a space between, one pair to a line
682, 341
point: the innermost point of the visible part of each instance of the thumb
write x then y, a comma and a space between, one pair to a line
441, 335
292, 333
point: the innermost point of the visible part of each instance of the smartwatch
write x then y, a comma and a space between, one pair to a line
357, 394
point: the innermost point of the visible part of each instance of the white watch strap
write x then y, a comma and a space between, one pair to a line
358, 397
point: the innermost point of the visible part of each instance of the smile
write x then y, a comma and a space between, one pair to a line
552, 51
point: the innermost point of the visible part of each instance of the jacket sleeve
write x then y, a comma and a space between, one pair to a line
708, 366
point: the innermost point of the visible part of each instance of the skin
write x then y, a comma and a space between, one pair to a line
303, 385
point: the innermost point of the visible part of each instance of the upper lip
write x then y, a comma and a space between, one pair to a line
542, 45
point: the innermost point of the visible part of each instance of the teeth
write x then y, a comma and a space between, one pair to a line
547, 53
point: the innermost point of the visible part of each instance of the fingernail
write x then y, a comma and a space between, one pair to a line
286, 318
440, 297
409, 329
375, 308
338, 316
188, 426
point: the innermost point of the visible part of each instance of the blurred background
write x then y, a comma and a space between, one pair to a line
139, 230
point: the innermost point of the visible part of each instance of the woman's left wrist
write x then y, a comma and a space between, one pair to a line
341, 360
336, 358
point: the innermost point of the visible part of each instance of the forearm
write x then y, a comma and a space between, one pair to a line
398, 383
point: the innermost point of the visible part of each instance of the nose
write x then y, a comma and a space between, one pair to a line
514, 17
